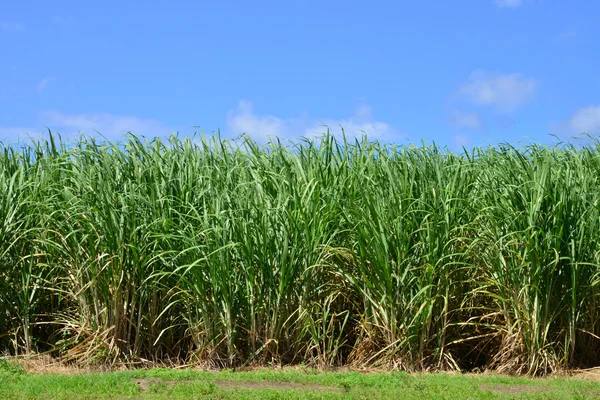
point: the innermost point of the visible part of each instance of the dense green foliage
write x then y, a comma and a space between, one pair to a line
323, 252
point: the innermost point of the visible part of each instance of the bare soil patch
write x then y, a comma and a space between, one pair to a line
592, 374
145, 383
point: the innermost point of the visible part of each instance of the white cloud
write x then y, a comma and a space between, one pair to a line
12, 26
506, 92
108, 125
509, 3
584, 120
43, 83
466, 120
243, 119
353, 127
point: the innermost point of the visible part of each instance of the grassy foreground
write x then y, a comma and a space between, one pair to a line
286, 384
322, 252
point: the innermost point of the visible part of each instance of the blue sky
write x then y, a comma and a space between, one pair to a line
463, 72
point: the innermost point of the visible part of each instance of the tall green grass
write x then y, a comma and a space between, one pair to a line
328, 252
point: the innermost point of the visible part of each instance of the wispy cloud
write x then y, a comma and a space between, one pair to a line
102, 125
509, 3
44, 82
363, 111
506, 92
12, 26
567, 36
355, 127
583, 120
466, 119
461, 140
16, 133
243, 119
108, 125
